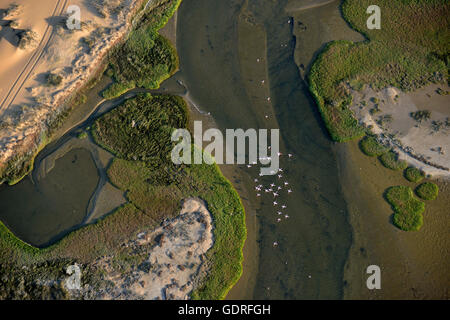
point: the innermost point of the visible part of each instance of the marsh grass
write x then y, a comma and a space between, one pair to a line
410, 51
391, 161
154, 188
371, 147
146, 58
414, 175
407, 209
427, 191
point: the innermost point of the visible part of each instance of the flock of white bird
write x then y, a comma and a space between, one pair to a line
274, 190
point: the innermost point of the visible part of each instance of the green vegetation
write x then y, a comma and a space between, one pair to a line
409, 51
151, 20
146, 58
138, 133
19, 166
82, 135
427, 191
390, 160
407, 209
414, 175
27, 39
442, 92
371, 147
140, 129
421, 115
53, 79
79, 98
155, 186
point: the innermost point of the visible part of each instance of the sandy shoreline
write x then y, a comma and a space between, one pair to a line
423, 144
37, 103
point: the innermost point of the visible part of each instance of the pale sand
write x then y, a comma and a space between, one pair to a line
32, 16
416, 142
176, 261
27, 105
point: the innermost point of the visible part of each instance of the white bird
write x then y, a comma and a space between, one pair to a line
268, 98
279, 219
258, 194
283, 207
289, 191
280, 170
286, 183
275, 203
266, 116
280, 176
290, 155
249, 166
256, 180
272, 184
286, 216
275, 194
275, 244
280, 154
279, 188
279, 213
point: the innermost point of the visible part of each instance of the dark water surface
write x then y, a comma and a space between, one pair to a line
42, 212
313, 242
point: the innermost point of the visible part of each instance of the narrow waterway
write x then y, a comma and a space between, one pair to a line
236, 63
302, 256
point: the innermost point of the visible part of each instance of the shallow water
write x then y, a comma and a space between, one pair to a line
44, 211
314, 241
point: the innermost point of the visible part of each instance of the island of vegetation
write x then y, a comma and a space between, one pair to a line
361, 88
407, 209
116, 251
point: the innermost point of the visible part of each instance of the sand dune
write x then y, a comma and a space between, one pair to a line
27, 102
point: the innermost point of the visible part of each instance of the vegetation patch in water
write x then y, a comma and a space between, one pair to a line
405, 53
427, 191
371, 147
407, 209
